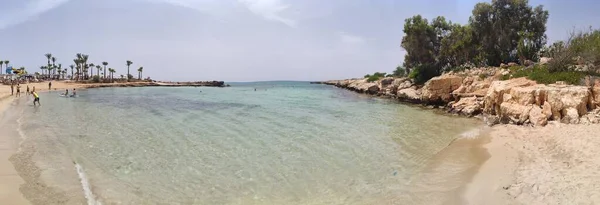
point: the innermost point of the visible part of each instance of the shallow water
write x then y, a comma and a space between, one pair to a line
285, 143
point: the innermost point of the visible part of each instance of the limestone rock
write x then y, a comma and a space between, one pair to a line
512, 64
467, 106
537, 117
439, 89
409, 94
570, 116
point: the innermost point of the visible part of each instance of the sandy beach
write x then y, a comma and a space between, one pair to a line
10, 181
556, 164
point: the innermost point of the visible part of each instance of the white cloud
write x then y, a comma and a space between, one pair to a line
351, 39
31, 9
269, 9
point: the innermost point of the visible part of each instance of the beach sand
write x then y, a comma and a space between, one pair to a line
556, 164
10, 181
9, 178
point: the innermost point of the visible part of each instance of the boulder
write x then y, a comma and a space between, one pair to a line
439, 89
467, 106
571, 116
411, 94
512, 64
502, 65
537, 116
518, 100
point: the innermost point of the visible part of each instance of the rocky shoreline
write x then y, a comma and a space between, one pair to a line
481, 92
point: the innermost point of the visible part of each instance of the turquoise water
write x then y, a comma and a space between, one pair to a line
285, 143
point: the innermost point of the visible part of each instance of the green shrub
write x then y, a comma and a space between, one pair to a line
96, 79
373, 78
542, 74
482, 76
367, 75
423, 73
389, 75
399, 72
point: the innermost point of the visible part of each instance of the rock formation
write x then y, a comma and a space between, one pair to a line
481, 92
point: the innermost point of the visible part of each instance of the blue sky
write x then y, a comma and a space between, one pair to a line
237, 40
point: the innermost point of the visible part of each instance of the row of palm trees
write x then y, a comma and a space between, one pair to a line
82, 70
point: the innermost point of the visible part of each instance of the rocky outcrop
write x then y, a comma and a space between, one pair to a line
469, 106
521, 101
439, 89
481, 92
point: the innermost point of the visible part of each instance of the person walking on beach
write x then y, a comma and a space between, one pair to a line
27, 93
36, 98
18, 90
12, 89
50, 85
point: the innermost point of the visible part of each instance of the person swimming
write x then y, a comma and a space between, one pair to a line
74, 93
66, 92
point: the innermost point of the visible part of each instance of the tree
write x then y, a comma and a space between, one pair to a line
72, 66
128, 64
400, 72
422, 42
91, 69
105, 64
49, 57
112, 72
84, 59
1, 62
98, 69
501, 26
54, 63
43, 68
140, 70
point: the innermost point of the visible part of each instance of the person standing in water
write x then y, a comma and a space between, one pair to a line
74, 93
36, 98
66, 92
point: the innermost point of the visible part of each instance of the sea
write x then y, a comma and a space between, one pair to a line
251, 143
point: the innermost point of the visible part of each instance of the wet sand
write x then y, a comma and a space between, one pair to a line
10, 180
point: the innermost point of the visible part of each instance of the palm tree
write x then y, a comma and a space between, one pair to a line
128, 64
84, 58
49, 57
59, 70
72, 66
91, 66
77, 63
111, 71
43, 68
98, 68
53, 61
105, 64
140, 73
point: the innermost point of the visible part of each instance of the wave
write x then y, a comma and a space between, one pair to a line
85, 184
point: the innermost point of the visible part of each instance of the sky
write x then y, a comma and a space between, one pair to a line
237, 40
